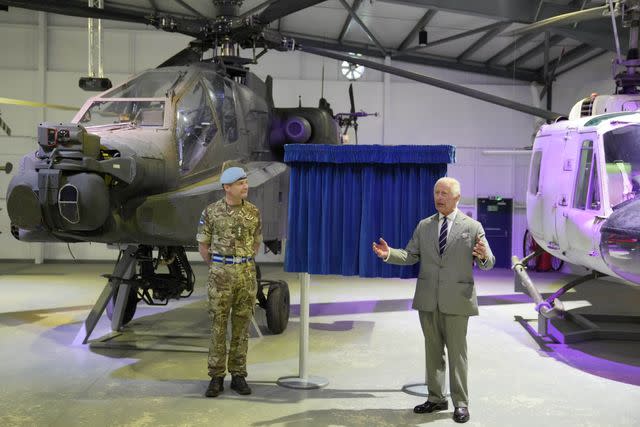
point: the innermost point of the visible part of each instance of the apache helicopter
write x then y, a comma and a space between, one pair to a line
140, 161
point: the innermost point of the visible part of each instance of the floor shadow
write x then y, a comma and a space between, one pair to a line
17, 318
356, 418
614, 360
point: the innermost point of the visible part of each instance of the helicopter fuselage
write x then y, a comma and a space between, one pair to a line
583, 194
139, 162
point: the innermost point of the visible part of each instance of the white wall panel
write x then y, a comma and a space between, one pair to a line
18, 16
152, 48
466, 156
18, 47
494, 181
67, 49
426, 115
465, 174
20, 84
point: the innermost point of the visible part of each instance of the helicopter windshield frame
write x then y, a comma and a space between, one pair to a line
143, 112
621, 148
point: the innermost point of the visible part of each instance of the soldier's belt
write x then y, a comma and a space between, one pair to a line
228, 259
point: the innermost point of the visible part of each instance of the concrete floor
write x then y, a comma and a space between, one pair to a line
364, 339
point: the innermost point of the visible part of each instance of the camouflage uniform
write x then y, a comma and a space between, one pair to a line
230, 231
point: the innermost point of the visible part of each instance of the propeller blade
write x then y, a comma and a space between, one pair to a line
539, 112
282, 8
78, 8
353, 104
567, 18
355, 131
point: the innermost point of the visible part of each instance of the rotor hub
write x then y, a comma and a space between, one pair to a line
226, 8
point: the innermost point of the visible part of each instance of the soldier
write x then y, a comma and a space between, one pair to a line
229, 234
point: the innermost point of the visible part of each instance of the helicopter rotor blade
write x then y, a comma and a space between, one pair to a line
186, 56
539, 112
78, 8
194, 27
282, 8
566, 18
353, 104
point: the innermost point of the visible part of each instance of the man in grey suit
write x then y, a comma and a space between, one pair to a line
446, 244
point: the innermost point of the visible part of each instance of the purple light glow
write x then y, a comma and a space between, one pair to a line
595, 365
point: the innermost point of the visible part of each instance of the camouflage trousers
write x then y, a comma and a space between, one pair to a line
232, 293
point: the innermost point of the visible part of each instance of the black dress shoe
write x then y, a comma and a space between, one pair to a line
215, 387
239, 384
461, 415
428, 407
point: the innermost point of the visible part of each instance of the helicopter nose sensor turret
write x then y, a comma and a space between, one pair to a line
56, 187
620, 243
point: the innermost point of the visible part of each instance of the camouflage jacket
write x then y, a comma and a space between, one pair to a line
230, 230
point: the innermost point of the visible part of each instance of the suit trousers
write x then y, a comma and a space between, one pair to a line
445, 330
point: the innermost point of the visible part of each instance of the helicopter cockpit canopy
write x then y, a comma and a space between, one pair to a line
622, 159
140, 101
206, 108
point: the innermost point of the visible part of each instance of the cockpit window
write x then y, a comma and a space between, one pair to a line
151, 84
622, 157
587, 191
221, 93
195, 127
534, 177
135, 112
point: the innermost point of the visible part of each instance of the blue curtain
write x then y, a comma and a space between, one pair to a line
342, 198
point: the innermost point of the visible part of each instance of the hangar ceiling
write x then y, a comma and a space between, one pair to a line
466, 35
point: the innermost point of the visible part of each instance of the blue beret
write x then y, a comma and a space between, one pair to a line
231, 175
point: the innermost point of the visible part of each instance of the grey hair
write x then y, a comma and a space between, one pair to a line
452, 183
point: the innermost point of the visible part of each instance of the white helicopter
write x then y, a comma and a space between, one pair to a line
583, 193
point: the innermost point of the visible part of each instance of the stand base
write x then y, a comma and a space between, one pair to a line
419, 389
416, 389
308, 383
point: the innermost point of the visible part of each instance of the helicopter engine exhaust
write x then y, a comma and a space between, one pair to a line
302, 125
297, 129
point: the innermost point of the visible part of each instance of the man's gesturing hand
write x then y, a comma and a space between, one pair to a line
480, 250
381, 249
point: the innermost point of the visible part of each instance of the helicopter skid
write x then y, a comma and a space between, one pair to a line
573, 328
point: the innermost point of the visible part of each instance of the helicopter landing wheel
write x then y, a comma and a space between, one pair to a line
277, 307
129, 309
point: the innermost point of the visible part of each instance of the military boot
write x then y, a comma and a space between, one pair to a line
215, 387
239, 384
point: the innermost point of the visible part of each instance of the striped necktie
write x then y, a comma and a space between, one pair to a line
443, 235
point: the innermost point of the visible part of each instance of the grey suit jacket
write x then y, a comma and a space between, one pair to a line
445, 282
